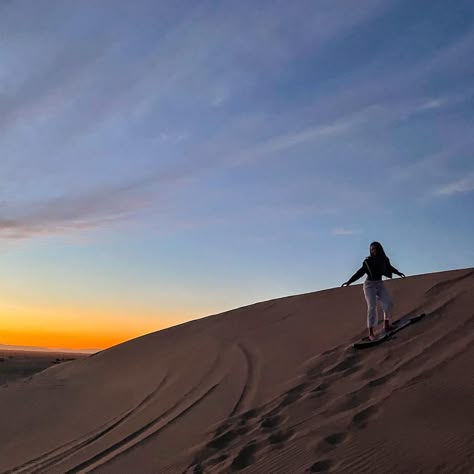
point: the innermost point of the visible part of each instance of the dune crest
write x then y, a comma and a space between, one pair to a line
271, 387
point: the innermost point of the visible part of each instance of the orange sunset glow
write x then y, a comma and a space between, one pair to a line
77, 331
80, 340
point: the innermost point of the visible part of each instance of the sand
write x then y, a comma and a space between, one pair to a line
273, 387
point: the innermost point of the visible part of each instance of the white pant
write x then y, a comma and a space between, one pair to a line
377, 298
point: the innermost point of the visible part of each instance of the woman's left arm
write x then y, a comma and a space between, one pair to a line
394, 270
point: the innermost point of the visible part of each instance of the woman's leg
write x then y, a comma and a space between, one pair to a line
379, 312
370, 293
386, 303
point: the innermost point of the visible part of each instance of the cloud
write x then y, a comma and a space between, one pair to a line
461, 185
220, 95
342, 231
96, 208
84, 209
206, 58
69, 213
448, 100
286, 141
426, 106
431, 104
195, 94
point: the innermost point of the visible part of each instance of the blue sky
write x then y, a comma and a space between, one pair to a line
183, 158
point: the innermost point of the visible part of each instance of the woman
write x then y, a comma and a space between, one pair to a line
376, 265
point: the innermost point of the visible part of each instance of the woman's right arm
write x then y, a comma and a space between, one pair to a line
358, 274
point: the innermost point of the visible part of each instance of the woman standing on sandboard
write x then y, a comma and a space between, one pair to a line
376, 266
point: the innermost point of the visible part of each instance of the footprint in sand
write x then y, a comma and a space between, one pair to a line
321, 388
279, 437
332, 440
349, 363
349, 401
273, 412
319, 391
271, 422
351, 370
321, 466
223, 440
248, 415
380, 381
335, 438
246, 457
222, 429
361, 418
293, 395
198, 469
323, 360
368, 374
218, 459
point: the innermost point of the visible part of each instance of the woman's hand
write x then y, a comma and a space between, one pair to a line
401, 275
345, 284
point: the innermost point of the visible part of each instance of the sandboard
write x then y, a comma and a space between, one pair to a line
396, 326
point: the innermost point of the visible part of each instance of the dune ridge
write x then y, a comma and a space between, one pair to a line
270, 387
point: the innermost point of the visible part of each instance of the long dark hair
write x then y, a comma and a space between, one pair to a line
379, 248
382, 259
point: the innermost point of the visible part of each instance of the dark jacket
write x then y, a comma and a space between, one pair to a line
375, 268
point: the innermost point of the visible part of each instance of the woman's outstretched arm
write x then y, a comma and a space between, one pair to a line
358, 274
394, 270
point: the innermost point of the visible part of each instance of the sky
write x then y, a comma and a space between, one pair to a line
161, 161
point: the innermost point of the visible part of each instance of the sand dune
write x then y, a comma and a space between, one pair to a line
274, 387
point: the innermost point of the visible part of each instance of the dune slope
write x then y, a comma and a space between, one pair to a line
271, 387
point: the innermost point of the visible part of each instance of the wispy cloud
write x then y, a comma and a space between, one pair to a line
431, 166
461, 185
342, 231
194, 95
94, 209
426, 106
287, 141
431, 104
68, 213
